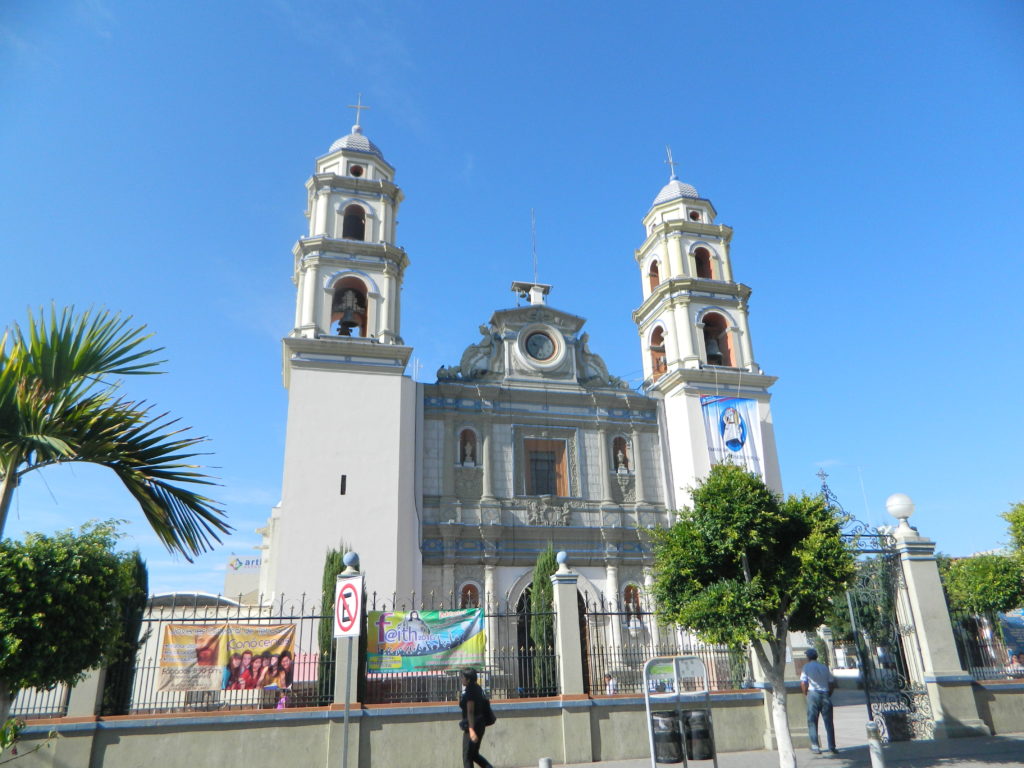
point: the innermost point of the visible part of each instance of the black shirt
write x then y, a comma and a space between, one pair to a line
473, 692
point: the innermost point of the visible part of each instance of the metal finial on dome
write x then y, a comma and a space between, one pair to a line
358, 107
671, 164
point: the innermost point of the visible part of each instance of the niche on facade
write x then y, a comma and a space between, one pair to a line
632, 610
622, 461
657, 350
469, 596
716, 340
353, 223
348, 307
468, 448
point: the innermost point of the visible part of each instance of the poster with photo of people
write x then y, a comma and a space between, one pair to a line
1013, 634
229, 657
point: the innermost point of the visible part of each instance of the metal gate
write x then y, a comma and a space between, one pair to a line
882, 624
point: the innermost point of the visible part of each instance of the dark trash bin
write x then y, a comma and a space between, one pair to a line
699, 745
668, 737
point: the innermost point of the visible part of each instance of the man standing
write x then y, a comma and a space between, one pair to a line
817, 683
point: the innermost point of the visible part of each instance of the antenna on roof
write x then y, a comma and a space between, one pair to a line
533, 237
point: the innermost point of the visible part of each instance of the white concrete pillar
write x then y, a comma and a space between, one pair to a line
949, 684
614, 596
322, 204
649, 596
85, 698
676, 266
638, 470
308, 314
567, 629
602, 465
490, 605
488, 465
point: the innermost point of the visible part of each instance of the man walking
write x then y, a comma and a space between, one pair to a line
817, 683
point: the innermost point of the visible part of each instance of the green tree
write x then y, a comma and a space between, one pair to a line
117, 688
985, 584
60, 402
1015, 519
60, 607
743, 566
542, 621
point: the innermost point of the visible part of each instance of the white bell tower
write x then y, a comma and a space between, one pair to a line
698, 357
349, 465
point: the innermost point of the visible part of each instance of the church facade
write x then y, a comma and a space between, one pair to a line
450, 489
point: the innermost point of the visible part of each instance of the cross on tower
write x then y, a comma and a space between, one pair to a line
670, 163
358, 107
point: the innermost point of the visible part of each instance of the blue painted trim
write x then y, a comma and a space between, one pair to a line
791, 685
247, 719
994, 685
949, 679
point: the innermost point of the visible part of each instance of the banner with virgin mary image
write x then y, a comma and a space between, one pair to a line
733, 431
412, 641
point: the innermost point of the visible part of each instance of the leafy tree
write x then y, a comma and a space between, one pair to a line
985, 584
60, 402
117, 688
1015, 519
60, 607
542, 620
744, 566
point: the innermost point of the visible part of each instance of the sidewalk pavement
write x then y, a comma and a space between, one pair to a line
978, 752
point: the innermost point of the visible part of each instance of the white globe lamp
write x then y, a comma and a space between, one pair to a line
900, 506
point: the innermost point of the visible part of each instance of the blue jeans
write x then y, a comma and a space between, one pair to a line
819, 702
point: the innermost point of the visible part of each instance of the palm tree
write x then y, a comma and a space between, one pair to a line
60, 402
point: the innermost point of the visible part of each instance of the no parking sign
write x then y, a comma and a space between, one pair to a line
348, 607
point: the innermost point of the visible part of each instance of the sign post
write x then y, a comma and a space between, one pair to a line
348, 608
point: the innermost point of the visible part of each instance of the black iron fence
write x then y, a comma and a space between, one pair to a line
305, 679
983, 651
515, 665
619, 638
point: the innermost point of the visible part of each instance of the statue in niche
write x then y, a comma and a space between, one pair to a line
468, 458
620, 461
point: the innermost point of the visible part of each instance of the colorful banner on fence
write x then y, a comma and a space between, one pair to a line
208, 657
733, 431
424, 640
1013, 634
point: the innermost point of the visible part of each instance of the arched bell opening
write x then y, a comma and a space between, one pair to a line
657, 349
716, 340
353, 224
348, 307
654, 275
702, 263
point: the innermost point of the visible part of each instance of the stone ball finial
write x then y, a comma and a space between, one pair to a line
351, 559
900, 506
562, 557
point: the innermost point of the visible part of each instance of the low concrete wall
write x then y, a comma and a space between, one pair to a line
569, 729
1001, 705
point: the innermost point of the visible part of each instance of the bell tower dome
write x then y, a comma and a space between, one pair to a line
695, 341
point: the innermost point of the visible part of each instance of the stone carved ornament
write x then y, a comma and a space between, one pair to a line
542, 512
485, 359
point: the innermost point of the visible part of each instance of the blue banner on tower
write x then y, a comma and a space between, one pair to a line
734, 431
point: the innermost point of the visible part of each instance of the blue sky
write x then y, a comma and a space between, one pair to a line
867, 154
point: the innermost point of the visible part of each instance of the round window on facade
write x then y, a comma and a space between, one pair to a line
540, 346
355, 170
